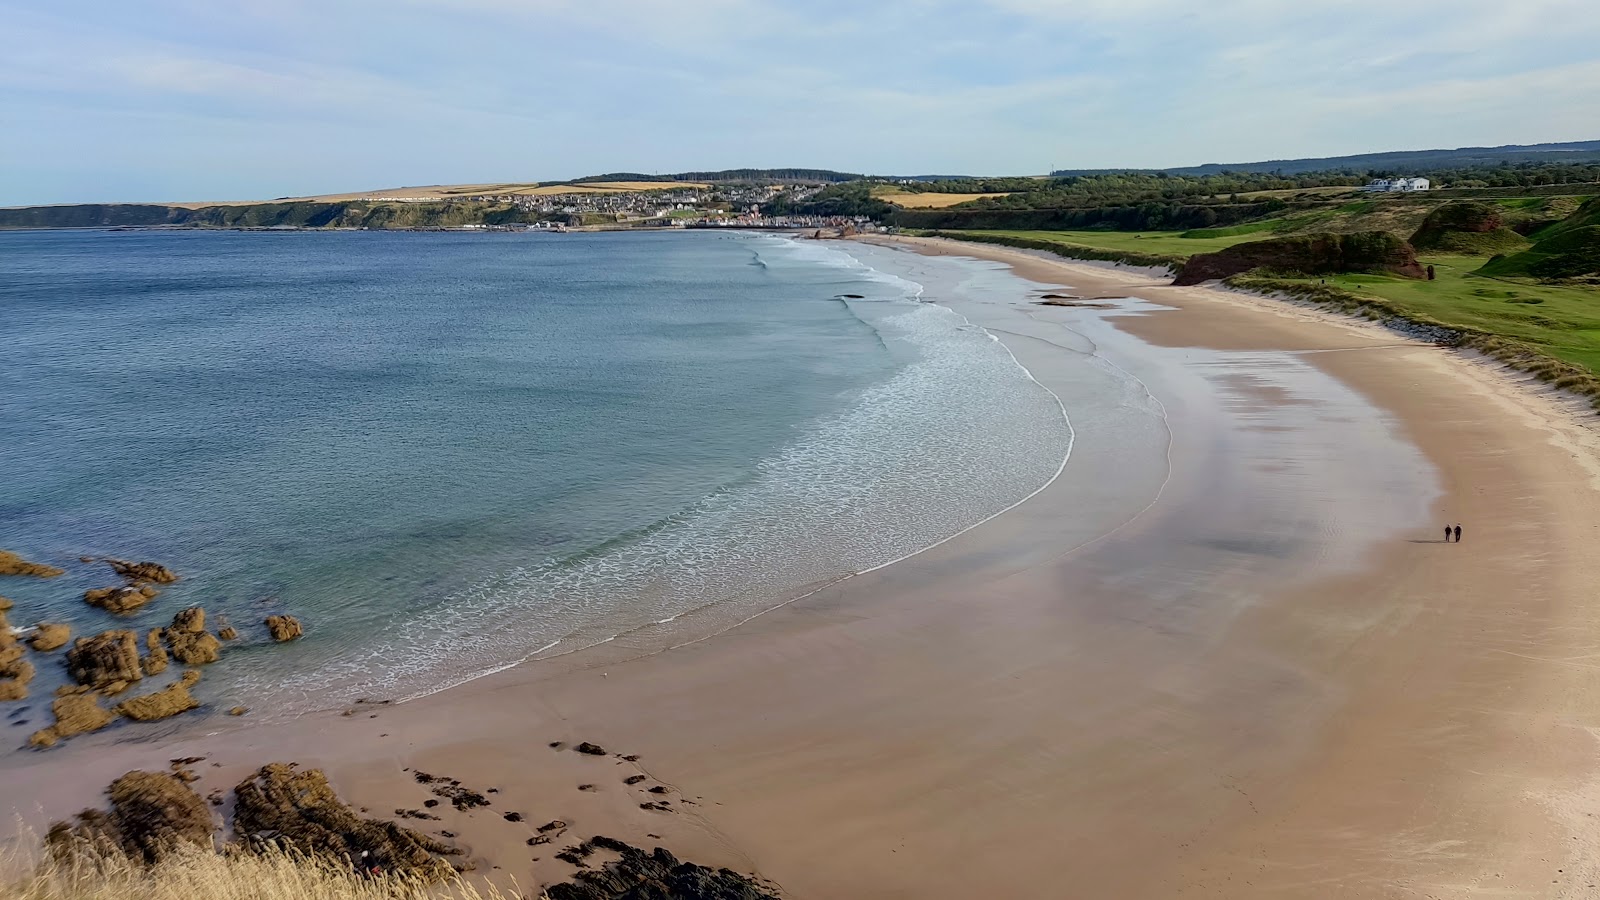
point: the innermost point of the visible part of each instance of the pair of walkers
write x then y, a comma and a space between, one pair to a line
1448, 531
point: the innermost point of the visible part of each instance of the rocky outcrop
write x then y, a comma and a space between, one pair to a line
191, 644
120, 600
107, 657
152, 815
48, 636
75, 714
155, 662
1308, 255
298, 811
5, 604
163, 704
284, 628
143, 571
15, 671
12, 564
638, 875
191, 620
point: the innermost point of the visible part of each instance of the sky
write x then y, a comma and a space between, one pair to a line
169, 100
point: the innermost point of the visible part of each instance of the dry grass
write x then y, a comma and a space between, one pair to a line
912, 200
195, 874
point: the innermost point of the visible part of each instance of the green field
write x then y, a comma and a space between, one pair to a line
1166, 243
1561, 320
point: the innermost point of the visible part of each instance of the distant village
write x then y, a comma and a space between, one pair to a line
730, 205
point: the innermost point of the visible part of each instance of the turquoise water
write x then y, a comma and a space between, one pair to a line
448, 453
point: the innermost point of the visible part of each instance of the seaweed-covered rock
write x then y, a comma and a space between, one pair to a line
120, 600
155, 661
12, 564
50, 636
152, 814
299, 811
142, 571
75, 714
191, 644
638, 875
108, 656
284, 628
1312, 254
191, 620
163, 704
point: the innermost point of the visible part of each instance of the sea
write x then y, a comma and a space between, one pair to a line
451, 453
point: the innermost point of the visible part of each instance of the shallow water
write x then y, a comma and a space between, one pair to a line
448, 453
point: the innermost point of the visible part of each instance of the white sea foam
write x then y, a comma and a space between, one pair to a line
960, 433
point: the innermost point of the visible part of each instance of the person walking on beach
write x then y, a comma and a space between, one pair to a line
1458, 532
1447, 534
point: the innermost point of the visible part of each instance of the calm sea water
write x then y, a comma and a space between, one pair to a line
449, 453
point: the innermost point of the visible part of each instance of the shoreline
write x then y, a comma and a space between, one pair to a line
1223, 708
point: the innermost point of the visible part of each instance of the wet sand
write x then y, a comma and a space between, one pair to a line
1222, 655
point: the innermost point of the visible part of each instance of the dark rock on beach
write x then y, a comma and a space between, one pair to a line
589, 749
299, 811
637, 875
152, 815
104, 658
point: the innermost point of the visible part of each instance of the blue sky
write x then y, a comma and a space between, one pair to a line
110, 100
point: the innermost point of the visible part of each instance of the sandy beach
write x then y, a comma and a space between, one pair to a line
1224, 654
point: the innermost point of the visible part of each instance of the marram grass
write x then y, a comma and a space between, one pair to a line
195, 874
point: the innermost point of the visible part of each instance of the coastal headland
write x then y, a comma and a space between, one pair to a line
1223, 654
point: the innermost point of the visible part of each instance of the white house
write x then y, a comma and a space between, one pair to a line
1397, 184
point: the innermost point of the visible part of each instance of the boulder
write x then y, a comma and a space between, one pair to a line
5, 604
1308, 255
12, 564
298, 811
120, 600
106, 657
191, 644
152, 815
155, 661
191, 620
284, 628
75, 714
142, 571
165, 703
227, 633
50, 636
637, 875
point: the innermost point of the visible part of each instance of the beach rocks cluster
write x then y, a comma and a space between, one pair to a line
297, 810
657, 875
108, 663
